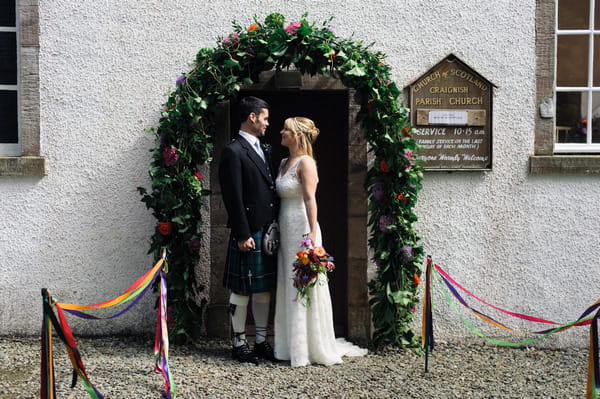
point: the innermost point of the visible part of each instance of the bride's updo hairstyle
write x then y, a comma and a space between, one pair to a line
308, 133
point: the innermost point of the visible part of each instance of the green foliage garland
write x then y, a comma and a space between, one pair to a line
183, 142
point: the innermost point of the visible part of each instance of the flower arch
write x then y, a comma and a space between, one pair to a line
183, 142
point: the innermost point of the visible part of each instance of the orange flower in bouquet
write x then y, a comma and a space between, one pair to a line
309, 263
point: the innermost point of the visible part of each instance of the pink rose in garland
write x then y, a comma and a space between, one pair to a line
170, 156
233, 38
384, 222
291, 28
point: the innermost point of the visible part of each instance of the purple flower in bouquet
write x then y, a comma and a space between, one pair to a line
332, 31
309, 263
291, 28
407, 253
307, 242
170, 156
384, 222
180, 80
378, 191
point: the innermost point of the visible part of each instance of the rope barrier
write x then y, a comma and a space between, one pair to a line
451, 290
134, 293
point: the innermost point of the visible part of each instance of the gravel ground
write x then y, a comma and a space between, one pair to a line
122, 367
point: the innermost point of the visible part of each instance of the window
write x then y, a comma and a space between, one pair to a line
577, 78
567, 87
20, 89
9, 126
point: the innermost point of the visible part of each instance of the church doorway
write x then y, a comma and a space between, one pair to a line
341, 154
329, 110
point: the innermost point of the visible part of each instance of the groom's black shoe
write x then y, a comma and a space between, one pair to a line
265, 351
243, 354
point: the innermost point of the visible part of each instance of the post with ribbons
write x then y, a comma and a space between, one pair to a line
133, 295
427, 342
593, 384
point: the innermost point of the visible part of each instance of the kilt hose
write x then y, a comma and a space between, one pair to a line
249, 272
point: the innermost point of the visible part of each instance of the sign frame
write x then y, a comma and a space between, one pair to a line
451, 108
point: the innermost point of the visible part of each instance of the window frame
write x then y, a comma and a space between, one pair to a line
545, 159
588, 147
12, 149
29, 162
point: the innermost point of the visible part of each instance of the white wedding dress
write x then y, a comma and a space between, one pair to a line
303, 333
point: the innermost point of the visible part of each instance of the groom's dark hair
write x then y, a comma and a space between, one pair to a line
249, 105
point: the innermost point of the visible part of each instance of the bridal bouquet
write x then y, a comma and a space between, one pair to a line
308, 264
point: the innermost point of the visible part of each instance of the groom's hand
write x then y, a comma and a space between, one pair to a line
247, 245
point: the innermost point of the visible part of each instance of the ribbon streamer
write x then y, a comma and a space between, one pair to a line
161, 340
134, 293
453, 287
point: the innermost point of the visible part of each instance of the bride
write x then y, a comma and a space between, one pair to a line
303, 332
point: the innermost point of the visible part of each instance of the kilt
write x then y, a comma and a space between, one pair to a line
249, 272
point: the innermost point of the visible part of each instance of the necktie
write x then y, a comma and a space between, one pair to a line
259, 150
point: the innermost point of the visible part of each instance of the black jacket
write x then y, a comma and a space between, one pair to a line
248, 188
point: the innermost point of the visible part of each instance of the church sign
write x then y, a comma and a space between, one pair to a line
451, 107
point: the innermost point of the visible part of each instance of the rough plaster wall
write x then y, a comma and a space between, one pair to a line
526, 243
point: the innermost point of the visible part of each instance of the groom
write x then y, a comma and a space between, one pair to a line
248, 189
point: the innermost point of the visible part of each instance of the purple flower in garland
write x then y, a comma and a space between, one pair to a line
181, 80
378, 191
407, 253
170, 156
384, 222
332, 31
194, 245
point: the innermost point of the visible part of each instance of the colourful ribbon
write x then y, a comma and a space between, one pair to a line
161, 340
47, 389
453, 287
134, 293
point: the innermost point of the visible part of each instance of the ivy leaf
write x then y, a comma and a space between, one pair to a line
201, 102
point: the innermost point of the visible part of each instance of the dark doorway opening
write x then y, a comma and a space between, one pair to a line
329, 110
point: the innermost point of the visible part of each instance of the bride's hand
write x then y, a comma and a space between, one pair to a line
313, 238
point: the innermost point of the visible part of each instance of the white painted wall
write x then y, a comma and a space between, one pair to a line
526, 243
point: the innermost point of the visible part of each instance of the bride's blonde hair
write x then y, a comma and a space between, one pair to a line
308, 133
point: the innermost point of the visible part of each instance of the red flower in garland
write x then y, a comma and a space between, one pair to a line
370, 104
165, 228
417, 279
403, 198
384, 167
406, 131
198, 176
